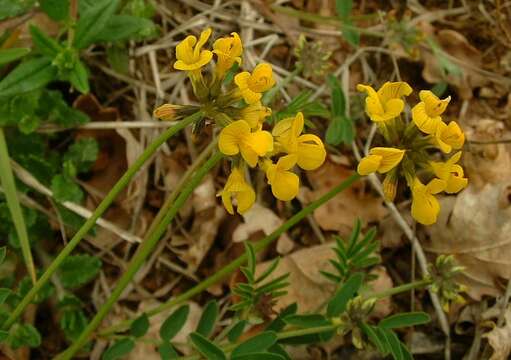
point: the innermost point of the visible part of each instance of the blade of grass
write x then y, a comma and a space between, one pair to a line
7, 180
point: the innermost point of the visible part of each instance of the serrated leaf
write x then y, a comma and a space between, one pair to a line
343, 8
44, 43
65, 189
10, 55
93, 21
208, 319
255, 344
77, 270
56, 9
174, 323
79, 77
119, 349
24, 335
27, 76
140, 326
208, 349
82, 154
167, 351
122, 27
405, 319
337, 304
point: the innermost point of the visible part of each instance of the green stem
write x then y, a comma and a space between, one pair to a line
11, 195
399, 289
142, 253
102, 207
235, 264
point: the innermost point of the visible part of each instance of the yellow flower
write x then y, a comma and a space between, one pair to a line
255, 114
253, 85
425, 206
449, 137
381, 159
189, 53
426, 114
386, 103
237, 137
308, 148
237, 187
284, 183
451, 173
228, 51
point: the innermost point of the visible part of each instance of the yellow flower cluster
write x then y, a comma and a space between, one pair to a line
239, 111
409, 152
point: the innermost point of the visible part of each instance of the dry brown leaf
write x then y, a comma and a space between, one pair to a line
475, 227
456, 45
262, 219
309, 289
499, 339
340, 213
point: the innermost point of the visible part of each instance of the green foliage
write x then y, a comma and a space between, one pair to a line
58, 10
23, 335
256, 344
92, 21
10, 55
72, 317
29, 75
302, 103
347, 291
349, 32
77, 270
174, 323
208, 318
405, 319
80, 156
119, 349
10, 8
140, 326
26, 284
167, 351
207, 348
341, 129
65, 189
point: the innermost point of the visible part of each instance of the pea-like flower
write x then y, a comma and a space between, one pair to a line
308, 148
238, 138
386, 103
426, 114
228, 51
189, 53
237, 187
253, 85
255, 114
425, 206
449, 137
451, 173
284, 183
381, 159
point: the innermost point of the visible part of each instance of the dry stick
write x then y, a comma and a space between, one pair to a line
28, 179
235, 264
102, 207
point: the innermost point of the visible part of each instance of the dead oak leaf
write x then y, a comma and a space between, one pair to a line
498, 338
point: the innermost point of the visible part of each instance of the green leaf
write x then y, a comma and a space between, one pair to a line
119, 349
405, 319
373, 337
337, 304
140, 326
259, 356
343, 8
4, 294
79, 77
28, 76
338, 98
72, 318
9, 8
350, 34
123, 27
118, 58
24, 335
394, 343
440, 88
236, 331
208, 319
167, 351
81, 155
44, 43
93, 21
174, 323
25, 285
406, 353
65, 189
278, 349
208, 349
3, 335
77, 270
307, 320
56, 9
3, 252
255, 344
10, 55
334, 132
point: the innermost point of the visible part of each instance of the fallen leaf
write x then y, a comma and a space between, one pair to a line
340, 213
498, 338
474, 226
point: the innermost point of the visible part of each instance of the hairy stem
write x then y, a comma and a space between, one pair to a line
142, 253
102, 207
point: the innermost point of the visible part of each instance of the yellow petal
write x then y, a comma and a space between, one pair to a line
245, 199
453, 135
255, 114
227, 201
297, 125
261, 79
241, 79
286, 162
250, 96
390, 157
433, 105
232, 136
184, 50
425, 207
393, 108
282, 127
204, 36
285, 185
435, 186
261, 142
455, 184
249, 155
311, 152
369, 164
393, 90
